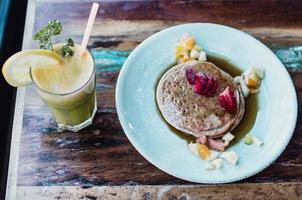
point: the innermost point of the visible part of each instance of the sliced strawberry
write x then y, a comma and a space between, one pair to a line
191, 76
197, 86
205, 85
212, 87
227, 100
206, 80
201, 83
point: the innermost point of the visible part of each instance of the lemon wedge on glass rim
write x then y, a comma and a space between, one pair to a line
16, 70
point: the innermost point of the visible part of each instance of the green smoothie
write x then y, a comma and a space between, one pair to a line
68, 88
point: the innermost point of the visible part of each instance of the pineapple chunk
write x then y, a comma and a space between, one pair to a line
252, 80
228, 137
197, 48
217, 163
202, 56
259, 72
193, 148
189, 43
213, 155
181, 52
210, 166
257, 141
194, 54
231, 157
203, 151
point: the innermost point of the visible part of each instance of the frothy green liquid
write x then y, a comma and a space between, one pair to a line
68, 88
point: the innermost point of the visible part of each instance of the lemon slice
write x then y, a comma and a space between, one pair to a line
16, 69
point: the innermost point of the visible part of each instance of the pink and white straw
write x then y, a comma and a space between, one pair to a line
91, 19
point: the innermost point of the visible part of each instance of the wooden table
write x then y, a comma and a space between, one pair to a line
99, 162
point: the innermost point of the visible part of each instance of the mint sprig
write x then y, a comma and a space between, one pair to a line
66, 50
45, 34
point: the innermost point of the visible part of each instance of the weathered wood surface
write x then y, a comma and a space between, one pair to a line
247, 13
101, 154
249, 191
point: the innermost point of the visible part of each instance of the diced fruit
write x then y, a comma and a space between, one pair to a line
252, 80
253, 76
210, 166
257, 141
244, 88
227, 100
197, 48
178, 51
202, 56
237, 79
193, 148
248, 139
181, 52
248, 71
203, 151
213, 156
231, 157
227, 138
217, 163
190, 76
205, 85
189, 43
259, 72
16, 69
184, 59
194, 54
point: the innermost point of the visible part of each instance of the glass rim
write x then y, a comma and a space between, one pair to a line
66, 93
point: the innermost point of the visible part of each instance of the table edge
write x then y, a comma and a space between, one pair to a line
11, 184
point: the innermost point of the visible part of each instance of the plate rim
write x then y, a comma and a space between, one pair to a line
140, 150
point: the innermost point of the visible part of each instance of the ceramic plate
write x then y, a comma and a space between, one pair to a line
149, 133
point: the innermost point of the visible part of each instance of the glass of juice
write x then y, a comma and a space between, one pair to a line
68, 88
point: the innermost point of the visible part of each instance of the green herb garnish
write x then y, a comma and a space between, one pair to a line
66, 50
45, 34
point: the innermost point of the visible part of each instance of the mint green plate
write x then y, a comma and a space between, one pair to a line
150, 135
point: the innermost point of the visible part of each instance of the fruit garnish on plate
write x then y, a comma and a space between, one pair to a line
227, 100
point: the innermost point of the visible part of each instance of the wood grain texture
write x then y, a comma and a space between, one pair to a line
279, 191
101, 154
235, 13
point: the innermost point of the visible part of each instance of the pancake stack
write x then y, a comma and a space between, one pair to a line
192, 113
